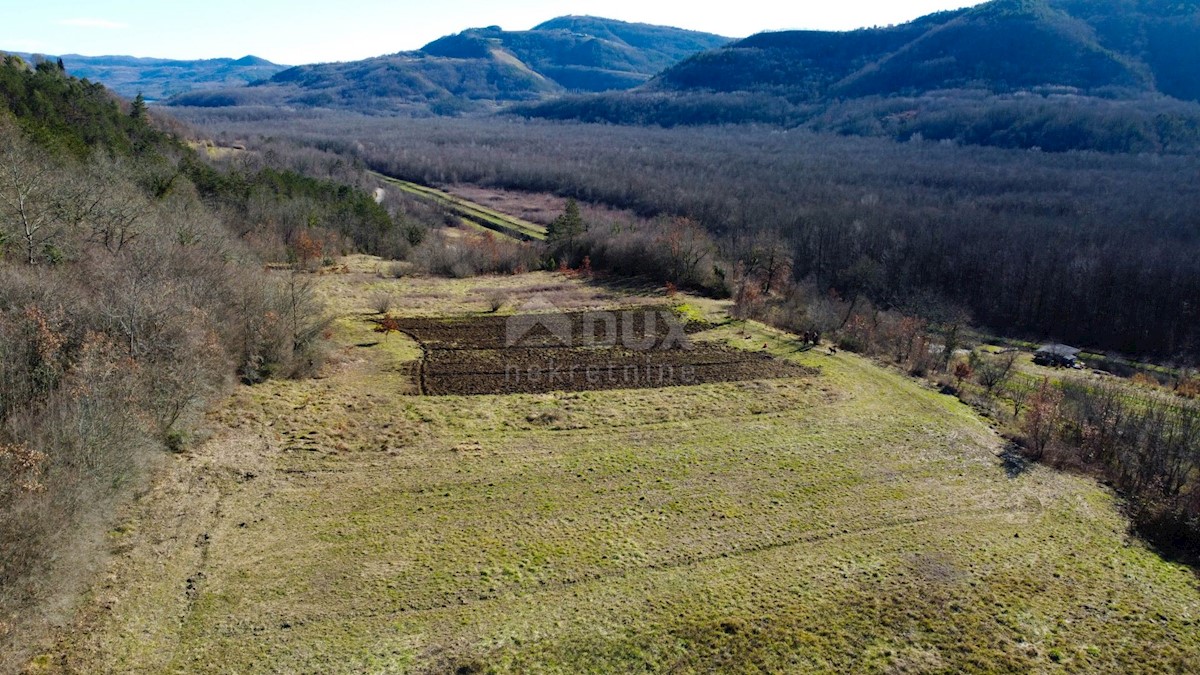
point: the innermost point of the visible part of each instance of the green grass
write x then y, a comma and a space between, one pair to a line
475, 213
850, 522
1028, 376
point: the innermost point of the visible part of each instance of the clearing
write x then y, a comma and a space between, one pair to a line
837, 518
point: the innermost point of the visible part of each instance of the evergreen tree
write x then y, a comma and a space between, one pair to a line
138, 110
568, 225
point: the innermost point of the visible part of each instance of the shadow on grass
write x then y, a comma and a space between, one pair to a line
1014, 461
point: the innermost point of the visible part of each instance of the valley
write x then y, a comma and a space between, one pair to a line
601, 346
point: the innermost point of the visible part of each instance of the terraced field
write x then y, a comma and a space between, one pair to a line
842, 519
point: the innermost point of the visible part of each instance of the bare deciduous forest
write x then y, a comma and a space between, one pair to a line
1097, 249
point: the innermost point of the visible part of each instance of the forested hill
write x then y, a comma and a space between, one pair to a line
1000, 46
1057, 74
478, 67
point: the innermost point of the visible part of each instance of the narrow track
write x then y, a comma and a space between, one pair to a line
504, 224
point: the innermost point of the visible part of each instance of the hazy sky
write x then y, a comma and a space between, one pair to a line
302, 31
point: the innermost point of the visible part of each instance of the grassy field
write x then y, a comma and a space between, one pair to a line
851, 521
477, 214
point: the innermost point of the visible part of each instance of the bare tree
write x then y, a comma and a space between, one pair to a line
687, 245
111, 212
1017, 395
1042, 419
138, 299
306, 321
27, 192
771, 262
992, 371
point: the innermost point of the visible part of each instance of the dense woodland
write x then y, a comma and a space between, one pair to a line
1087, 248
1049, 121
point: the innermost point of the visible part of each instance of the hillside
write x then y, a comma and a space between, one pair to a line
131, 295
478, 68
1018, 61
798, 63
842, 521
157, 79
999, 46
63, 113
1164, 35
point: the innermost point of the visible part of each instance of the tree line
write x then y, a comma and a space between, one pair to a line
1052, 121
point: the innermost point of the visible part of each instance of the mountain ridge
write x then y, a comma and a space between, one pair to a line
159, 78
1001, 46
479, 68
1114, 75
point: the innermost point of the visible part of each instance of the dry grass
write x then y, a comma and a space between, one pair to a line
539, 207
851, 522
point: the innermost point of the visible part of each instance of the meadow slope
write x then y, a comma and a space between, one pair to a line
849, 521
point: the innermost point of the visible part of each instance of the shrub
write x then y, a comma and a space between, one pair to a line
382, 302
471, 255
1188, 387
1144, 380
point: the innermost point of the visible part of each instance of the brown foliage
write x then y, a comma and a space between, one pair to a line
1188, 387
387, 325
22, 469
468, 255
962, 371
309, 251
1042, 418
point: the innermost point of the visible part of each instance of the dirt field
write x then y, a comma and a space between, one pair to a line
636, 348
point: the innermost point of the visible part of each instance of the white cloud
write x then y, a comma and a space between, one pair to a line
92, 23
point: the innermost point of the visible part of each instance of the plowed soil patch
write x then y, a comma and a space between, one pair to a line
578, 352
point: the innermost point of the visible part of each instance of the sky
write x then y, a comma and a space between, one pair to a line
301, 31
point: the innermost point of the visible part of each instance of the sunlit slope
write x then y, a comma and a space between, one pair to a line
851, 521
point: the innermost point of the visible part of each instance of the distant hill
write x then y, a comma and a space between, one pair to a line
158, 79
1014, 58
999, 46
479, 68
1163, 36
